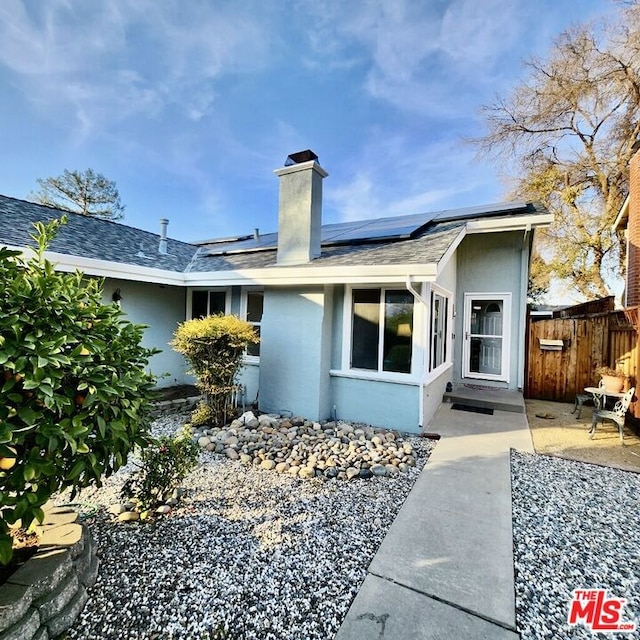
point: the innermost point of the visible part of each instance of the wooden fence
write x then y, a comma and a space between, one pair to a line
609, 339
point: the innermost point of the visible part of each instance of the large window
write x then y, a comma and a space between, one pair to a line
253, 306
208, 302
382, 330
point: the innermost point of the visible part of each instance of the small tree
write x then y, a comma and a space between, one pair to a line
214, 347
74, 388
163, 465
85, 192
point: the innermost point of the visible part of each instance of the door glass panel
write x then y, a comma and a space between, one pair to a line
486, 317
486, 325
486, 355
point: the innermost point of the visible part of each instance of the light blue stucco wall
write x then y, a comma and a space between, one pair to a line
448, 275
295, 351
249, 376
161, 308
381, 404
492, 263
432, 394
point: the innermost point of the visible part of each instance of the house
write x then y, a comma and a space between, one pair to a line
628, 223
364, 320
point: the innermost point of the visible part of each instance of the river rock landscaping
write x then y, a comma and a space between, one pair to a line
250, 552
306, 449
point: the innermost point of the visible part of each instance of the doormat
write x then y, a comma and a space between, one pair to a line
468, 407
483, 387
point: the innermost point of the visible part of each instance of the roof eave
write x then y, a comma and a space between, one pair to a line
116, 270
315, 275
519, 223
623, 215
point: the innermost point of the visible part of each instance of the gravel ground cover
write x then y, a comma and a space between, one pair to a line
248, 551
575, 525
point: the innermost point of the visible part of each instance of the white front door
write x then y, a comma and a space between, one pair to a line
487, 319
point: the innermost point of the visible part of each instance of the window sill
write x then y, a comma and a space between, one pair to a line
399, 378
251, 360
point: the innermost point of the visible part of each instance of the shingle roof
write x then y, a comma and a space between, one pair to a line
418, 239
90, 237
427, 249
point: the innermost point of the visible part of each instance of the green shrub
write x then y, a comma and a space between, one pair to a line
202, 414
214, 347
75, 392
164, 464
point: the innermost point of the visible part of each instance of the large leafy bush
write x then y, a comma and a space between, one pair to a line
214, 347
74, 388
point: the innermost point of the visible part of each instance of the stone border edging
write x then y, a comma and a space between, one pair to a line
177, 404
43, 598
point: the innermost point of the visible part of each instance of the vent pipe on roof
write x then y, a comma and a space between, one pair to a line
256, 234
162, 246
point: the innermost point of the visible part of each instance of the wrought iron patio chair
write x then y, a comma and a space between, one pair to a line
581, 398
617, 414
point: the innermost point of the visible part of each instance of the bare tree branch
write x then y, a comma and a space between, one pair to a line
566, 134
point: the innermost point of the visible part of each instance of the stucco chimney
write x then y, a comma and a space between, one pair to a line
300, 208
633, 234
162, 246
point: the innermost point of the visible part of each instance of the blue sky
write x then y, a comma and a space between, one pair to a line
189, 106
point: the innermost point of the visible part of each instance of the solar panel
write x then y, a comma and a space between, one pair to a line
484, 210
395, 227
262, 243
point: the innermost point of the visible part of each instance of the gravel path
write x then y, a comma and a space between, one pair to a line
575, 525
253, 552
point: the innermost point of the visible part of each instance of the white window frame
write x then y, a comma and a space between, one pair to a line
379, 374
227, 298
430, 288
249, 359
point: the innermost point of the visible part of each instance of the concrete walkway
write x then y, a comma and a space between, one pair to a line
445, 568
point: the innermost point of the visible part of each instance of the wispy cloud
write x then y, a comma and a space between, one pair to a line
192, 104
398, 179
94, 58
420, 57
